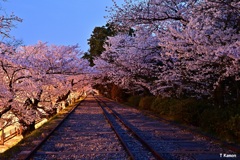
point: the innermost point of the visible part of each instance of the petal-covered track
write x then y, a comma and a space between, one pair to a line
99, 128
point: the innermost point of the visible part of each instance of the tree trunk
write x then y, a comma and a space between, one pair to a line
5, 110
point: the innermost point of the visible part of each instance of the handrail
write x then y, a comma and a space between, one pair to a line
5, 136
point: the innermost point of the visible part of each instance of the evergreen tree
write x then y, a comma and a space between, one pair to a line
97, 40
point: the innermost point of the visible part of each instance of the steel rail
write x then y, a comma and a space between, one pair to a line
106, 114
138, 137
36, 148
234, 149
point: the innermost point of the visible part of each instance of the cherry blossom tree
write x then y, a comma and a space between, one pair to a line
198, 46
201, 50
7, 22
36, 79
155, 17
15, 79
129, 59
156, 13
54, 66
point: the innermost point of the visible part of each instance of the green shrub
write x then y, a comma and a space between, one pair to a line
233, 128
160, 105
188, 110
133, 101
222, 122
184, 110
213, 120
146, 102
170, 106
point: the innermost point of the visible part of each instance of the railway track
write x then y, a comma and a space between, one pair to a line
84, 134
164, 139
136, 147
112, 131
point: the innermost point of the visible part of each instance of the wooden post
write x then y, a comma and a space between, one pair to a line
2, 137
20, 130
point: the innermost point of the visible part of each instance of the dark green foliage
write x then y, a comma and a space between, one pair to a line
223, 122
89, 58
131, 32
192, 110
133, 101
227, 93
160, 106
213, 119
146, 102
97, 40
233, 127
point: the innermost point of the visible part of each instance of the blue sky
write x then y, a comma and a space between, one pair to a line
61, 22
